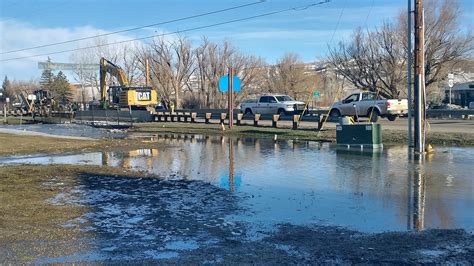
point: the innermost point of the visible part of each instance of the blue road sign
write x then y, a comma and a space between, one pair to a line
224, 83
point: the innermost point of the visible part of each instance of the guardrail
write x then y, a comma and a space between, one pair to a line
433, 113
222, 118
447, 113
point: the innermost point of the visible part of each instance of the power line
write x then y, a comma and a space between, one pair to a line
338, 20
298, 8
368, 14
137, 28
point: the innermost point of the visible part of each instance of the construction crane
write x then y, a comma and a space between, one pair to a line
124, 95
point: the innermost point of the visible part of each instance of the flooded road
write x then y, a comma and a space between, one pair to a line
214, 190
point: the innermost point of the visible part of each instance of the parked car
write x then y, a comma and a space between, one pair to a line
272, 104
446, 106
366, 104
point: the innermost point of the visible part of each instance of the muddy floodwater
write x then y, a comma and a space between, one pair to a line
210, 190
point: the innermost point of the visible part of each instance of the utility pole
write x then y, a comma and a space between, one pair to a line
419, 78
147, 73
410, 141
231, 98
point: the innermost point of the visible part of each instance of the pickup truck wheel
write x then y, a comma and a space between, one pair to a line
281, 112
391, 117
373, 115
248, 111
334, 113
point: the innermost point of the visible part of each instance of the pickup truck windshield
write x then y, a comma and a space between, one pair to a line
284, 98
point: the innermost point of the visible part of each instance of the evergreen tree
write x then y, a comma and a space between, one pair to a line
61, 89
47, 79
6, 86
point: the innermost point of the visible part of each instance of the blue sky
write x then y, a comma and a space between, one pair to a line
27, 23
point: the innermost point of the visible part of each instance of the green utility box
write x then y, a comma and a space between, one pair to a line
369, 135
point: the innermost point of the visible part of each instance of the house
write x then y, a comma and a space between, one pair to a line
461, 94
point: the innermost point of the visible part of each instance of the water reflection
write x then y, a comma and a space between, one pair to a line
309, 182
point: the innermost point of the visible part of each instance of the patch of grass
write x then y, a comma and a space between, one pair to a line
11, 144
16, 120
26, 215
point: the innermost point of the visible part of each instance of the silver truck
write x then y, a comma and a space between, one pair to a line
272, 104
366, 104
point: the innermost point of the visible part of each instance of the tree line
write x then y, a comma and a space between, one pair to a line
377, 60
374, 60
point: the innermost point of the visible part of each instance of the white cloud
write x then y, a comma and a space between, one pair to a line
17, 35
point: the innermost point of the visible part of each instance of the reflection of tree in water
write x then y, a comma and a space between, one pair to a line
376, 175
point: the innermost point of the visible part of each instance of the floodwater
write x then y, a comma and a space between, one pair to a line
310, 182
75, 130
214, 188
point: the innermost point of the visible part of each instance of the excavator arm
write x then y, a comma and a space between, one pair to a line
108, 67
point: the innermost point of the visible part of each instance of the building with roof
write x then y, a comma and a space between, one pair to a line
461, 94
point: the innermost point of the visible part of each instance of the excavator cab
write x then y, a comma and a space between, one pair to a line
124, 95
135, 97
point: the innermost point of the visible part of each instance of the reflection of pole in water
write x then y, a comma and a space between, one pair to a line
231, 165
416, 197
419, 201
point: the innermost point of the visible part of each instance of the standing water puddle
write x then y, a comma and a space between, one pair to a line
215, 188
310, 182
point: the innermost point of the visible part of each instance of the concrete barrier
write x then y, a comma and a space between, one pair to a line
256, 118
275, 119
223, 117
296, 119
239, 118
208, 118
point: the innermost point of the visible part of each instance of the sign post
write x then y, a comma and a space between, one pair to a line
231, 99
450, 84
230, 84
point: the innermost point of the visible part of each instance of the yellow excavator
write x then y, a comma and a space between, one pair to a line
124, 95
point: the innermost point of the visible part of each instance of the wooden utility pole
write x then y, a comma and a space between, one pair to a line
147, 73
409, 73
419, 78
231, 98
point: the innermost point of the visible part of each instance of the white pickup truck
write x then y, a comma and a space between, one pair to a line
272, 104
366, 104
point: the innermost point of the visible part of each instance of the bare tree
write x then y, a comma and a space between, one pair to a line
22, 86
213, 60
377, 60
88, 78
289, 76
372, 61
172, 65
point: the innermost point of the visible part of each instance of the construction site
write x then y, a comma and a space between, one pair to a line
262, 132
